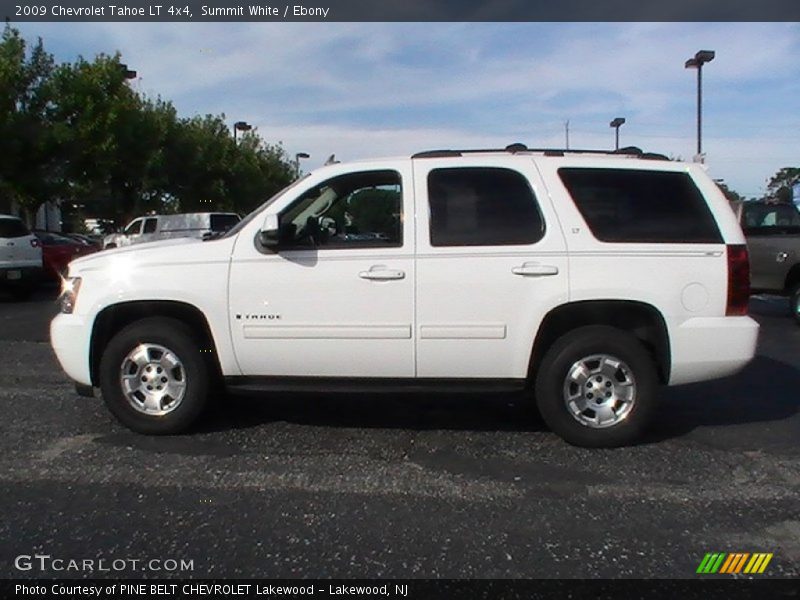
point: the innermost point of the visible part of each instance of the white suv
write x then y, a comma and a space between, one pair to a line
586, 277
20, 257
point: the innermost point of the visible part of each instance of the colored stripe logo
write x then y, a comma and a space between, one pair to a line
734, 562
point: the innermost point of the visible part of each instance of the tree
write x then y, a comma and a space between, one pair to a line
29, 170
259, 170
208, 171
780, 186
732, 195
111, 137
78, 132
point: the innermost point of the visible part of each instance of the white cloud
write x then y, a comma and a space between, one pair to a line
377, 88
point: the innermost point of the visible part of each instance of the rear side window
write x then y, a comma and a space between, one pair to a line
12, 228
482, 207
626, 205
767, 219
150, 225
221, 223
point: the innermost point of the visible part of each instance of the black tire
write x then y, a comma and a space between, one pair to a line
794, 303
176, 337
575, 346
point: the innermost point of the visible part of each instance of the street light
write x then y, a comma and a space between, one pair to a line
126, 72
240, 126
297, 158
701, 58
616, 124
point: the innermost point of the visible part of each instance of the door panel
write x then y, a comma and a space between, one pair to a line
331, 311
132, 233
479, 306
771, 257
148, 230
771, 230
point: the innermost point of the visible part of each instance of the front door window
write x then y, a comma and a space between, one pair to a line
350, 211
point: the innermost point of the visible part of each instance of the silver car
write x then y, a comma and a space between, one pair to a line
20, 257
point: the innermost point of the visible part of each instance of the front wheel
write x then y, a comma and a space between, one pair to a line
596, 387
153, 377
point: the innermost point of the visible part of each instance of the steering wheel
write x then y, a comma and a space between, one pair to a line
311, 234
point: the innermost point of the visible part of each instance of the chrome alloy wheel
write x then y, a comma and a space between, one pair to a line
599, 391
153, 379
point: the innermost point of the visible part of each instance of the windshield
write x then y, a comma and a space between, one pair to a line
133, 227
246, 221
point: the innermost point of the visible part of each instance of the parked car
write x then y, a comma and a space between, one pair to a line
86, 240
20, 257
58, 251
498, 269
159, 227
772, 231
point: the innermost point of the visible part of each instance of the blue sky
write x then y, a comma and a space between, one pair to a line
376, 89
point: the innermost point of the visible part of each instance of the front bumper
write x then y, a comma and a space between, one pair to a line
70, 336
711, 347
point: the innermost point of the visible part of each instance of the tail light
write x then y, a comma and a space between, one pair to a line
738, 280
36, 243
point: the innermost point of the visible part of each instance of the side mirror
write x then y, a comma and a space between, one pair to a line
269, 236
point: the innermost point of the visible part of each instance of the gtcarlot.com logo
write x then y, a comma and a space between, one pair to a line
46, 562
734, 563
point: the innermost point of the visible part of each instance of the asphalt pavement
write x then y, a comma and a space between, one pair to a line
445, 485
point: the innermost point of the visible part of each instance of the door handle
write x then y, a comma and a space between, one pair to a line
535, 270
382, 274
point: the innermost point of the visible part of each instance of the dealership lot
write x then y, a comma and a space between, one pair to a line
307, 485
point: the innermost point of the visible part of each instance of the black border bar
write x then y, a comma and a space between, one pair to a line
401, 10
441, 589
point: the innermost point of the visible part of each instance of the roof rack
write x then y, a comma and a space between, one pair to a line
520, 148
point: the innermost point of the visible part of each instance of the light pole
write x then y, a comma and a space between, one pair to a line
240, 126
126, 72
297, 158
616, 124
701, 58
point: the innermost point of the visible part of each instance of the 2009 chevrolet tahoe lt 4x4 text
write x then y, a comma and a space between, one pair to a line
587, 277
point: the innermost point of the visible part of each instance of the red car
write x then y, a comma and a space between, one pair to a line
58, 251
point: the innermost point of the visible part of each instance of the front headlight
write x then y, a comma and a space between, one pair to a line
69, 294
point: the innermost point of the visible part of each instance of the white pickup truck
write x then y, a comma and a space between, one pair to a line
162, 227
588, 278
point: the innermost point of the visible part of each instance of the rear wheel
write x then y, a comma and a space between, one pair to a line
153, 377
596, 387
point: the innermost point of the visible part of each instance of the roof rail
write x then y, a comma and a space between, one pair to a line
518, 147
436, 154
